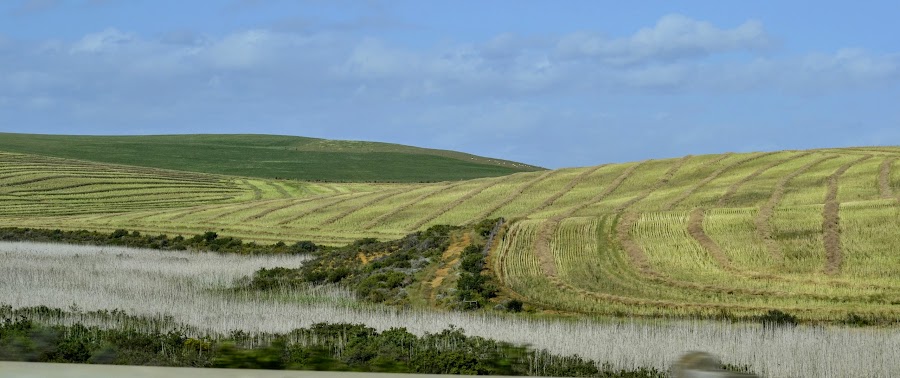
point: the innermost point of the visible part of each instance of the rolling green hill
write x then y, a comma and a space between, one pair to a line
813, 233
269, 156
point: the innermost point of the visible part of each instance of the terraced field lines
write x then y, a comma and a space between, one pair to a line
515, 194
763, 218
831, 226
405, 206
687, 193
884, 178
659, 184
615, 184
575, 181
364, 205
737, 185
457, 202
334, 201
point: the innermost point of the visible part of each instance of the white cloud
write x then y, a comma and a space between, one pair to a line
673, 37
107, 40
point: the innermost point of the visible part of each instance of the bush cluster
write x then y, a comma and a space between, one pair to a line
346, 347
208, 241
474, 289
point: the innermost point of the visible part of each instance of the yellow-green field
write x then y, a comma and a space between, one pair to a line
814, 233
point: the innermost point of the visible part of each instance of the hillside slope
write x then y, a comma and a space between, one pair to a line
813, 233
269, 156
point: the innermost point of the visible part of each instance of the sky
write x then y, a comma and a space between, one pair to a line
550, 83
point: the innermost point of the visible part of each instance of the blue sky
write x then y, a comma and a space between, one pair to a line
551, 83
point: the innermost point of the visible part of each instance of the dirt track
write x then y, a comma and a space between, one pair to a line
763, 227
884, 178
831, 222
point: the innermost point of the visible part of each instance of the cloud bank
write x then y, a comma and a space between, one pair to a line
505, 96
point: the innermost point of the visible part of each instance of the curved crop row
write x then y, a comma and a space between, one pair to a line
457, 202
831, 220
515, 194
409, 204
659, 184
575, 181
364, 205
762, 221
884, 178
737, 185
712, 176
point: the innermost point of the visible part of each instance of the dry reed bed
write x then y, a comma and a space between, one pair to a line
184, 286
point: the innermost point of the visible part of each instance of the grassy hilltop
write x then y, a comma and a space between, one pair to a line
269, 156
811, 232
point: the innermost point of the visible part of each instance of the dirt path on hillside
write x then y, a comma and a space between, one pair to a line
449, 259
763, 218
884, 178
831, 226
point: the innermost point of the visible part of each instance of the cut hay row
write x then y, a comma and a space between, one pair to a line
111, 208
884, 178
332, 200
679, 262
278, 188
615, 184
569, 186
763, 218
37, 179
282, 206
831, 220
381, 218
560, 283
542, 248
450, 206
515, 194
237, 208
257, 192
737, 185
712, 176
695, 229
346, 213
138, 194
156, 187
659, 184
